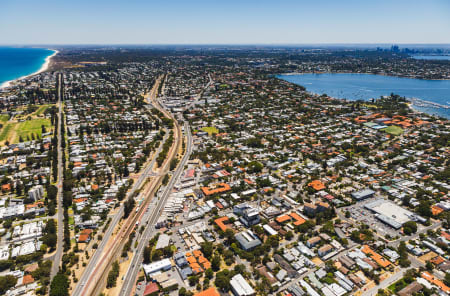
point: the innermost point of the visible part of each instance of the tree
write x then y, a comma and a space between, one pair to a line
209, 273
207, 249
410, 227
147, 254
447, 279
7, 282
182, 291
112, 275
215, 263
59, 285
289, 235
222, 280
50, 240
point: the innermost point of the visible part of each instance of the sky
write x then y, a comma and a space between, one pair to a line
223, 22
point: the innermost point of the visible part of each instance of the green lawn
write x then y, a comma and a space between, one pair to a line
393, 130
33, 126
71, 221
5, 131
210, 130
42, 109
397, 286
4, 118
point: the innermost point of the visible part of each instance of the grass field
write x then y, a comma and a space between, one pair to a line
6, 129
393, 130
33, 126
12, 131
4, 118
41, 109
210, 130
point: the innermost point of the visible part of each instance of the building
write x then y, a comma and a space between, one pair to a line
313, 241
309, 209
36, 193
248, 240
163, 241
250, 217
208, 292
325, 250
240, 287
153, 267
390, 213
411, 289
363, 194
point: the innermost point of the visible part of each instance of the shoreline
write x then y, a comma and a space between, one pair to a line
411, 101
43, 68
365, 73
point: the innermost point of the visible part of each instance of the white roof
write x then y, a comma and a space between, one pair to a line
241, 286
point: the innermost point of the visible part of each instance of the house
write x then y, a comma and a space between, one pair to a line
151, 289
325, 249
411, 289
208, 292
313, 241
85, 236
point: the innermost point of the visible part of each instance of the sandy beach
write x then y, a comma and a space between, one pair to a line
42, 69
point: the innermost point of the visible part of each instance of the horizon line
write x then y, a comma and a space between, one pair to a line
220, 44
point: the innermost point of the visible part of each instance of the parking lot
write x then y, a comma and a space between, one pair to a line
363, 215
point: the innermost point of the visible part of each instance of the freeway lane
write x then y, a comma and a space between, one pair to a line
60, 235
133, 269
97, 281
94, 260
152, 219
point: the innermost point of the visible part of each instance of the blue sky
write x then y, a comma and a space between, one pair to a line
223, 22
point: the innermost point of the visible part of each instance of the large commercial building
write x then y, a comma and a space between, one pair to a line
392, 214
248, 240
240, 287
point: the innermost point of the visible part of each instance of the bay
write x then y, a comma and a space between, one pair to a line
429, 96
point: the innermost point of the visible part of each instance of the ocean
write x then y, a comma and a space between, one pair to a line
432, 57
18, 62
429, 96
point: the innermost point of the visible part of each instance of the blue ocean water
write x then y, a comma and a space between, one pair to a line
18, 62
367, 86
432, 57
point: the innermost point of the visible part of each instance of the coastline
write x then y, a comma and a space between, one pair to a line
413, 103
43, 68
363, 73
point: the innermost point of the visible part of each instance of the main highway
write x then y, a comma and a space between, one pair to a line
94, 278
155, 213
104, 249
152, 218
60, 215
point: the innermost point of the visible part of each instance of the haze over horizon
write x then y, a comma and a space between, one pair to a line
231, 22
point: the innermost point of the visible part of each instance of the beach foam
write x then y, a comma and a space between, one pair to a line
43, 68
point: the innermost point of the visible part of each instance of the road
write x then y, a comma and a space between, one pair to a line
115, 220
155, 213
130, 277
386, 283
94, 279
93, 262
59, 247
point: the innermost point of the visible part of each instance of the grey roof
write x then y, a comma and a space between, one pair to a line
362, 194
163, 241
247, 241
